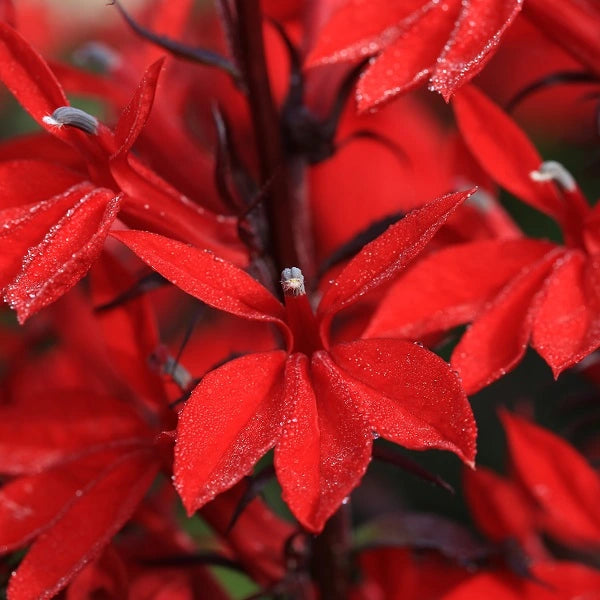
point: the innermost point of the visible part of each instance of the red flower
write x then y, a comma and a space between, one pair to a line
446, 42
318, 404
515, 291
55, 219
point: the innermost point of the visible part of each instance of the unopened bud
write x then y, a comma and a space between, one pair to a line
552, 170
292, 282
72, 117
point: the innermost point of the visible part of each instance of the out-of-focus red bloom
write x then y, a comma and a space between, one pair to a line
445, 42
536, 291
318, 404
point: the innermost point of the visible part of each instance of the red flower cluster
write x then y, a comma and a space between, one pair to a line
312, 234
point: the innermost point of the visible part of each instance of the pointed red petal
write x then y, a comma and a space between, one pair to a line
410, 395
407, 61
26, 226
497, 339
203, 275
136, 113
65, 254
449, 288
503, 149
325, 445
475, 37
567, 322
389, 254
39, 431
563, 484
362, 28
76, 539
230, 421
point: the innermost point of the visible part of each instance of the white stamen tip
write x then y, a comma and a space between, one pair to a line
552, 170
292, 282
73, 117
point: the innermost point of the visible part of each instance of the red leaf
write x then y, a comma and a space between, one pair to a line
39, 431
205, 276
449, 288
563, 484
475, 37
567, 326
65, 254
387, 255
409, 395
79, 537
136, 113
503, 150
325, 445
497, 339
230, 421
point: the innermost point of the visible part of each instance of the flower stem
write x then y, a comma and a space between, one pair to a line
330, 562
267, 131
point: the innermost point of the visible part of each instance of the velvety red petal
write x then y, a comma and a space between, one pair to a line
497, 339
503, 149
450, 287
409, 60
37, 431
232, 418
64, 255
24, 227
410, 395
325, 445
567, 321
363, 27
389, 254
205, 276
475, 37
81, 534
136, 113
563, 484
26, 181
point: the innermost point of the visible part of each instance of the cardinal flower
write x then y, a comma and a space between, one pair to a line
515, 291
54, 217
319, 404
446, 42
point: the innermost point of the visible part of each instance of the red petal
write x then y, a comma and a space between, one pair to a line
567, 322
325, 445
476, 35
60, 553
564, 485
39, 431
136, 113
65, 254
407, 61
449, 287
497, 339
26, 226
361, 28
30, 505
410, 395
387, 255
203, 275
503, 149
230, 421
26, 181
